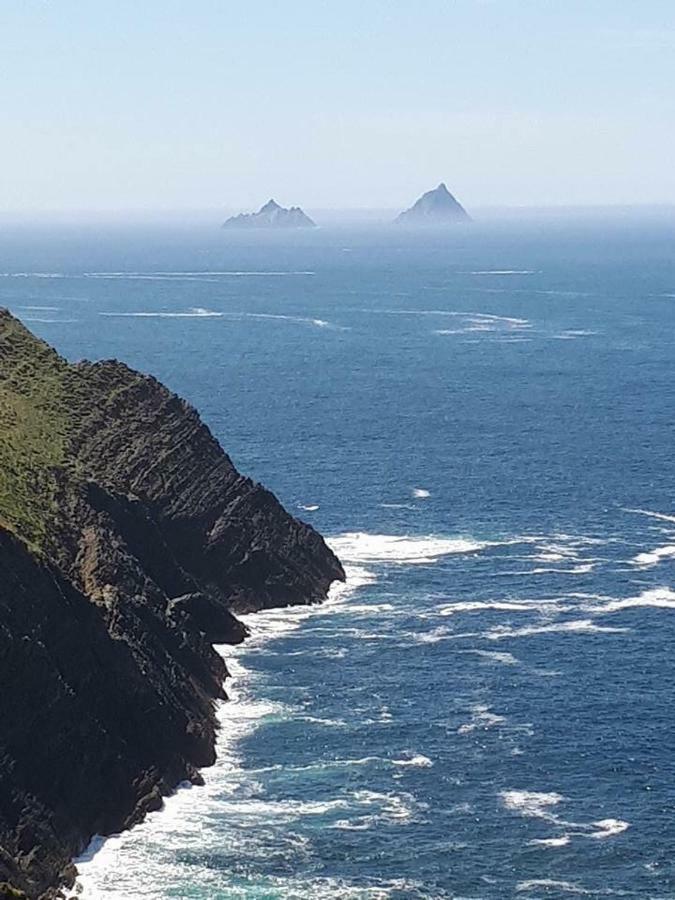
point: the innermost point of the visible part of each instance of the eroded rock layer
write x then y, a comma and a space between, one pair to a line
128, 541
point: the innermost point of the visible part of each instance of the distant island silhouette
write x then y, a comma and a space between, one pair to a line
437, 207
271, 215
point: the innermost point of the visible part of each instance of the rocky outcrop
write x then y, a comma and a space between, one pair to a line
271, 215
437, 207
128, 541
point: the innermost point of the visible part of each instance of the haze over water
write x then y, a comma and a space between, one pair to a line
481, 422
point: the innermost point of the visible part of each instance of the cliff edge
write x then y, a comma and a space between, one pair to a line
128, 542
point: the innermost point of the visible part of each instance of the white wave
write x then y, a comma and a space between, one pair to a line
508, 320
571, 335
418, 761
177, 276
471, 316
575, 626
298, 320
481, 718
176, 825
505, 659
554, 293
34, 275
608, 828
534, 804
581, 569
421, 493
317, 720
653, 557
578, 332
513, 340
369, 608
537, 884
656, 598
363, 547
502, 606
538, 805
397, 505
501, 272
324, 764
40, 308
487, 323
647, 512
555, 553
430, 637
196, 312
356, 577
551, 842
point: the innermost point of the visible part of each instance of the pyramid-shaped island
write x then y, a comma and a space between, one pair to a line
271, 215
437, 207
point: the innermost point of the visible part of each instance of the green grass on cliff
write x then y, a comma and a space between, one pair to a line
34, 425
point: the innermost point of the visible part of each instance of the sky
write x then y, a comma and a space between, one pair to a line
113, 105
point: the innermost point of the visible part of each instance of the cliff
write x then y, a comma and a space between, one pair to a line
271, 215
437, 207
128, 541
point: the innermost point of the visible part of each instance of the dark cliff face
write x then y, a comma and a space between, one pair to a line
127, 541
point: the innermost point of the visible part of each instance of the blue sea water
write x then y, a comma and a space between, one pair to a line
482, 423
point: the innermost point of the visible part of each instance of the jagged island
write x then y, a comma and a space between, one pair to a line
437, 207
128, 543
271, 215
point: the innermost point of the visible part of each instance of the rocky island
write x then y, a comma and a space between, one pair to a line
271, 215
437, 207
128, 543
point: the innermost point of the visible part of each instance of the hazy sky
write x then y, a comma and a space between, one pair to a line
169, 104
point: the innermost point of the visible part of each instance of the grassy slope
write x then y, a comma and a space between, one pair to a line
34, 425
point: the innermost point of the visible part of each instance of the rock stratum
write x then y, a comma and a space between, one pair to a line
437, 207
128, 543
271, 215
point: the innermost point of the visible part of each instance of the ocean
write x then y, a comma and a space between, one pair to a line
482, 423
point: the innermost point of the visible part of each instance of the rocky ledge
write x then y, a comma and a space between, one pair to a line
128, 543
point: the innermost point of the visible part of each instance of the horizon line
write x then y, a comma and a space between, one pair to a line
393, 210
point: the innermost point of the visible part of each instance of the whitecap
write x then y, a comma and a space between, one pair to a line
651, 558
178, 276
417, 761
196, 312
502, 606
40, 308
647, 512
575, 626
501, 272
505, 659
539, 805
483, 718
402, 549
656, 598
34, 275
536, 884
535, 804
397, 506
608, 828
551, 842
299, 320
